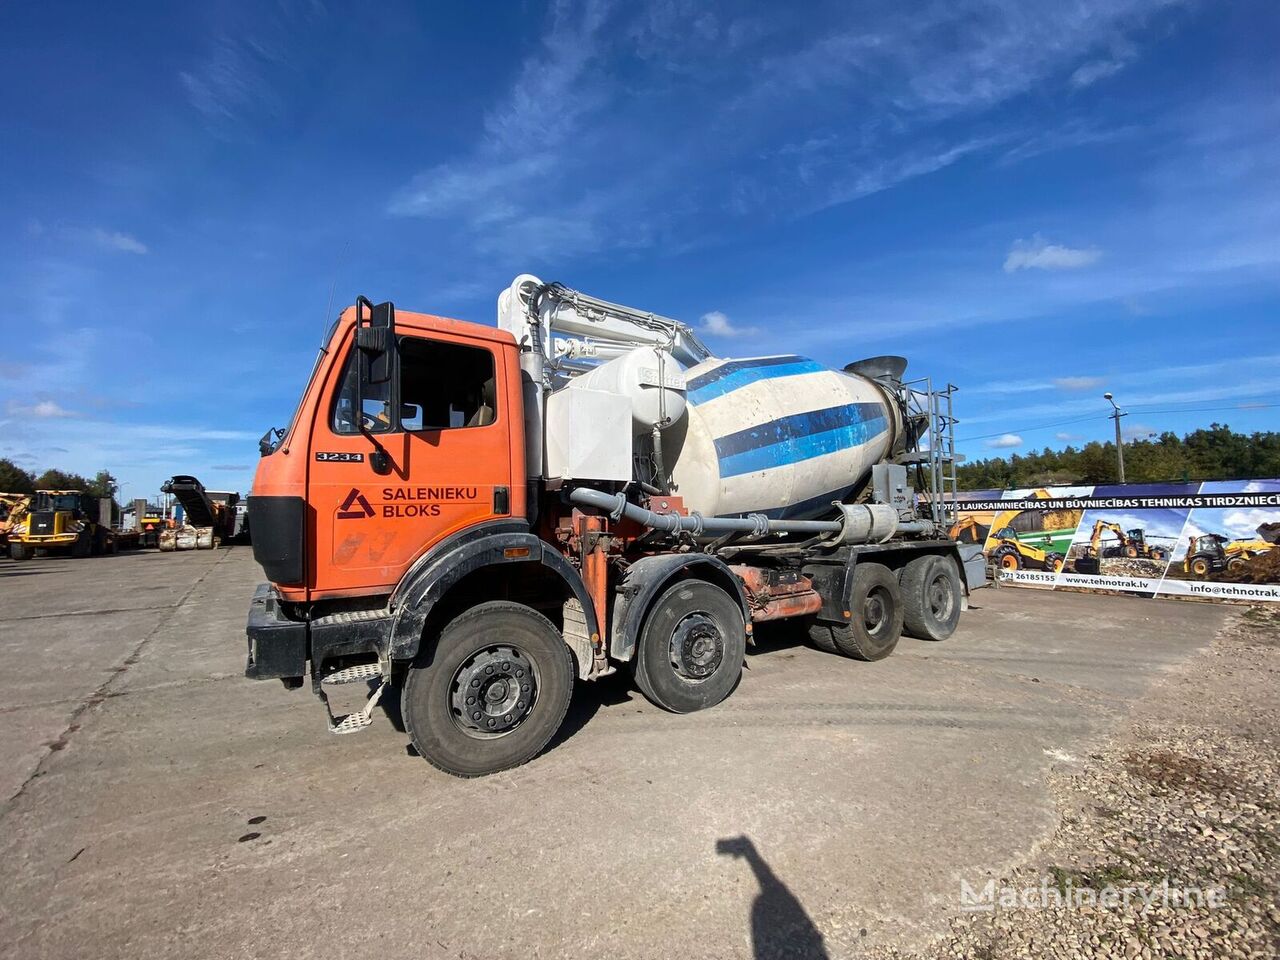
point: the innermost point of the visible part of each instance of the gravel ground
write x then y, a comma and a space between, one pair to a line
1187, 793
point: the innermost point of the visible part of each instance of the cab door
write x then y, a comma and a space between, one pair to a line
447, 448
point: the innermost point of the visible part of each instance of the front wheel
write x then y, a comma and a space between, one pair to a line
493, 693
19, 551
1008, 558
83, 545
691, 648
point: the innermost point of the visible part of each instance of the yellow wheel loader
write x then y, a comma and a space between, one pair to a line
60, 521
1011, 553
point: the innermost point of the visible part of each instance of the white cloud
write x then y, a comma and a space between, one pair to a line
1005, 441
1078, 383
115, 240
1138, 431
1039, 254
718, 324
42, 409
1064, 437
1095, 70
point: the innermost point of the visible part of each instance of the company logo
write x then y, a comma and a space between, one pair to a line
355, 507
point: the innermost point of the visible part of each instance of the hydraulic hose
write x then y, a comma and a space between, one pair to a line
753, 524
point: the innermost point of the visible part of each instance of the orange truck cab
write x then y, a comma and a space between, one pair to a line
411, 546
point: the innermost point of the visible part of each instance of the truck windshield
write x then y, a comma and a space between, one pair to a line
63, 501
273, 438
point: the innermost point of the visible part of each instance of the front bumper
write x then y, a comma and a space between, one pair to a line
277, 645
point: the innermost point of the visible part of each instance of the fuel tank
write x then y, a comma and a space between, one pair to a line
783, 436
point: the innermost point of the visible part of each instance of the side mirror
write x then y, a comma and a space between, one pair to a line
411, 416
376, 340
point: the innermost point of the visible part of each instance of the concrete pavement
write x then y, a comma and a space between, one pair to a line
159, 805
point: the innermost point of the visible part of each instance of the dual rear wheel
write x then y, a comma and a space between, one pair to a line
923, 599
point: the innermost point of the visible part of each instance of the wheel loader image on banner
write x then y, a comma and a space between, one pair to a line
1130, 544
1020, 539
472, 518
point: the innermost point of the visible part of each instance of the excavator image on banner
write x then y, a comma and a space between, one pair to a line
1129, 544
1211, 553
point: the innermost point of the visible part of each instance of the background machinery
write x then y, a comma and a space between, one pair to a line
1010, 553
474, 518
13, 508
1129, 544
64, 521
1210, 553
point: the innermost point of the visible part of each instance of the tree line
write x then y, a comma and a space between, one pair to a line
14, 479
1216, 452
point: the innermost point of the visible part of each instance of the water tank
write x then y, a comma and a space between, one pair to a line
783, 436
654, 383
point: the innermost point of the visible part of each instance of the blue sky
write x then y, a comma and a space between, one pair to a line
1038, 202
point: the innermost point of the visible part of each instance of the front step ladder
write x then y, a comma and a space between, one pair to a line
354, 722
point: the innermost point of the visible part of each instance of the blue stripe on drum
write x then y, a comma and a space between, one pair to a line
733, 374
801, 436
810, 509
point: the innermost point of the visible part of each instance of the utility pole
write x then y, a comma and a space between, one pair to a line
1117, 413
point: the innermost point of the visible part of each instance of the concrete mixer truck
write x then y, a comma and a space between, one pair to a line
474, 518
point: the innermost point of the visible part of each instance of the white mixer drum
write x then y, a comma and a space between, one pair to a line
783, 436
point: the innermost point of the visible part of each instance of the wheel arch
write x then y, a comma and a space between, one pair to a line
648, 577
444, 581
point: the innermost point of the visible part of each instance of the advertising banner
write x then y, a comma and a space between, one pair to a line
1211, 540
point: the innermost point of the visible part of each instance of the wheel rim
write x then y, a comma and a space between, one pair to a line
1009, 562
877, 612
697, 648
494, 690
941, 602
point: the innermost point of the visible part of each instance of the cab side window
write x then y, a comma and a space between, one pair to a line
443, 386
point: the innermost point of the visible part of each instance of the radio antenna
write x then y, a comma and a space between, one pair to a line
333, 286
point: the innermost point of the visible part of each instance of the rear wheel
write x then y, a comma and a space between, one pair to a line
1200, 567
875, 616
1053, 562
19, 551
493, 694
691, 647
931, 596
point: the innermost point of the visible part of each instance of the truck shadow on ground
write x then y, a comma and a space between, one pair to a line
780, 926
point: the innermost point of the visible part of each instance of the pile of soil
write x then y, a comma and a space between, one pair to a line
1264, 568
1124, 567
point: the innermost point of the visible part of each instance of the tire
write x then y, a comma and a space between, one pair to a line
83, 545
931, 597
873, 630
1054, 562
1159, 554
20, 551
1008, 558
1235, 563
493, 648
1201, 567
1131, 552
692, 647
